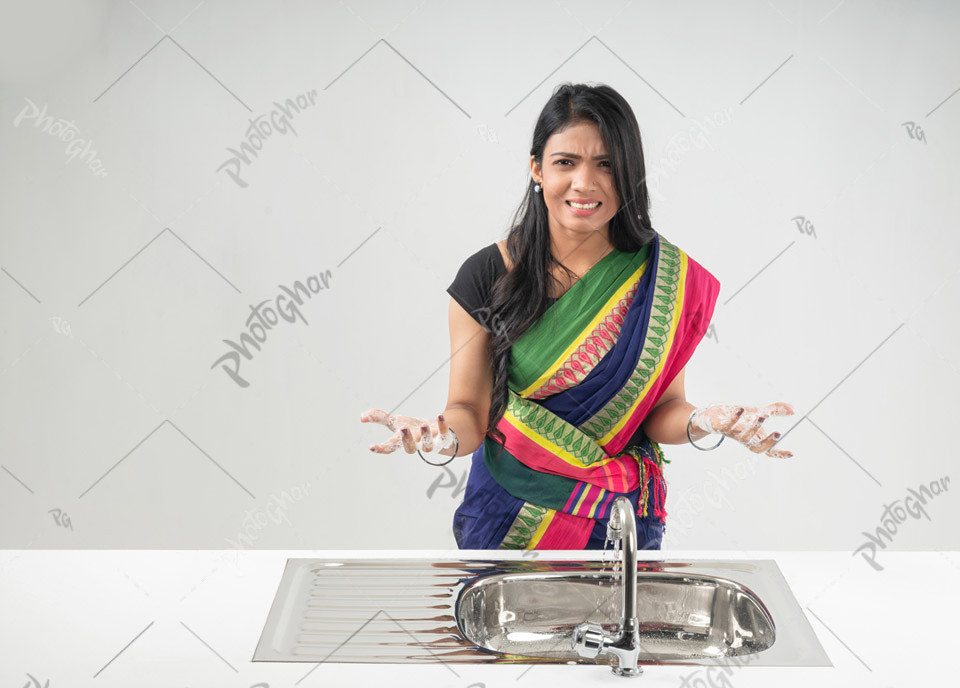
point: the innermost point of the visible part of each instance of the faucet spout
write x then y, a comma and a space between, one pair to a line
590, 640
626, 528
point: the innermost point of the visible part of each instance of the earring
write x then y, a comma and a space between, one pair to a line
536, 188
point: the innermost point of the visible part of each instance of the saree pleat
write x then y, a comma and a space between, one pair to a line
581, 380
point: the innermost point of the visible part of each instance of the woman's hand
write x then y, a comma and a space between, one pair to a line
410, 433
743, 423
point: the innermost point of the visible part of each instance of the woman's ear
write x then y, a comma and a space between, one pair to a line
535, 172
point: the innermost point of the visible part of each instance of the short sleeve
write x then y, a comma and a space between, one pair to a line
473, 284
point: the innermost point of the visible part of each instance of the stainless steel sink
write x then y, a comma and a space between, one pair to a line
681, 616
525, 610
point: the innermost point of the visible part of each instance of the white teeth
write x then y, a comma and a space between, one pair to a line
584, 207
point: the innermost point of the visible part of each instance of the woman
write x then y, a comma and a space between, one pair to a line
569, 340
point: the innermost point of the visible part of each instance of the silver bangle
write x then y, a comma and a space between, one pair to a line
457, 439
689, 420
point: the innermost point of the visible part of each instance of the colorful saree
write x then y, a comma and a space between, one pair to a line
581, 380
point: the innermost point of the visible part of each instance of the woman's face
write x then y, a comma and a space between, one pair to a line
576, 167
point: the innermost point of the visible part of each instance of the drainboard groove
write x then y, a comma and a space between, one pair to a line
312, 629
388, 574
394, 655
364, 615
374, 595
390, 570
334, 607
387, 638
395, 587
353, 595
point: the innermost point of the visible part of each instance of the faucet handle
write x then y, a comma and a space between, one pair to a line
587, 639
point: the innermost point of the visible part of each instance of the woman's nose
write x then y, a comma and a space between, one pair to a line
584, 180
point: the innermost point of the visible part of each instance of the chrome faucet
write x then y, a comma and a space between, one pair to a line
589, 639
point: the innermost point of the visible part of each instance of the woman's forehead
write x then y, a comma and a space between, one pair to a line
581, 139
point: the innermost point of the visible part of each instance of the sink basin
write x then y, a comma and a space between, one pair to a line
506, 610
680, 616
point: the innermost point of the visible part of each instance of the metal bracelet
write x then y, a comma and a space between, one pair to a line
691, 439
451, 458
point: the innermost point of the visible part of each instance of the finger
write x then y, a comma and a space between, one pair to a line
371, 415
768, 441
779, 453
408, 442
779, 408
769, 444
426, 438
754, 435
387, 447
445, 436
744, 421
763, 444
378, 416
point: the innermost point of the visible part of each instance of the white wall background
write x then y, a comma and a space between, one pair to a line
124, 266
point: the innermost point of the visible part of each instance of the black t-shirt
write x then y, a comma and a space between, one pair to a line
472, 286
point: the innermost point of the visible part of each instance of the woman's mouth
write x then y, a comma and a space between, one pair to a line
583, 209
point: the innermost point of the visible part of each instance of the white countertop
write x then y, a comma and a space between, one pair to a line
191, 618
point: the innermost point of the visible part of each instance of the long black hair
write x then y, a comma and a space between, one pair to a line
520, 296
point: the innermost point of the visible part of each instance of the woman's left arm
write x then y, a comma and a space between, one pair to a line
667, 421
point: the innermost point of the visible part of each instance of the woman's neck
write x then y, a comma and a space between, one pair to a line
580, 252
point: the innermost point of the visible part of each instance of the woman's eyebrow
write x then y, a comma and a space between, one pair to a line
574, 155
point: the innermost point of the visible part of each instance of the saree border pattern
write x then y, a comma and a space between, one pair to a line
668, 290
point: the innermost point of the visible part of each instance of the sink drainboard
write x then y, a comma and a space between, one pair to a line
404, 610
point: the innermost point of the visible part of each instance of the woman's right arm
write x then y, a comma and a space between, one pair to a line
471, 381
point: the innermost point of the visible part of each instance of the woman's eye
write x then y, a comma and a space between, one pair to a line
603, 162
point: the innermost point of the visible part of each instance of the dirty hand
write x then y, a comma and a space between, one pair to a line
410, 433
743, 423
